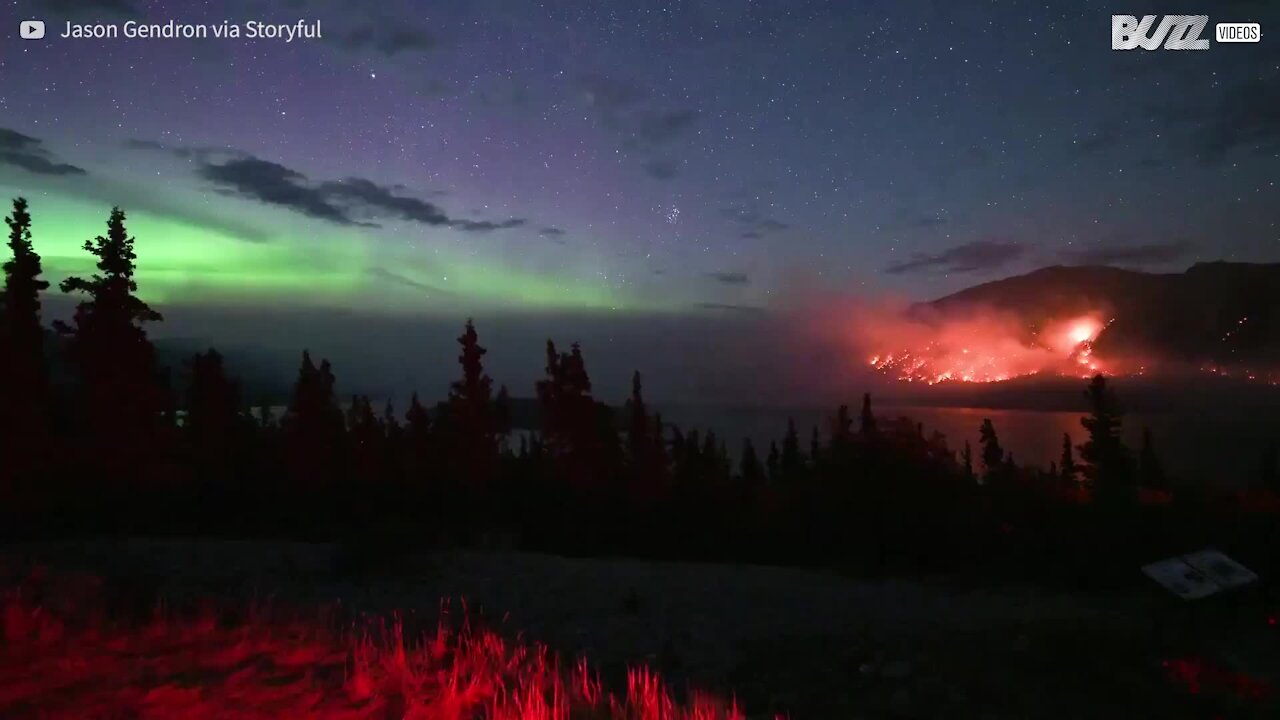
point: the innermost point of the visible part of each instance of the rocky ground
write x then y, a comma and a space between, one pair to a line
814, 645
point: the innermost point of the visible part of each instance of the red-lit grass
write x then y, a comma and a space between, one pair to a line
199, 668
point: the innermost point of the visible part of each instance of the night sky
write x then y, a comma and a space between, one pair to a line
699, 158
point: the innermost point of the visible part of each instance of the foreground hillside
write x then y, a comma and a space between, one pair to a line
809, 644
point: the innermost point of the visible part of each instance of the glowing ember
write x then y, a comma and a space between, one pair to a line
977, 353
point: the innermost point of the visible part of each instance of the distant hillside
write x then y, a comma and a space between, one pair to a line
1181, 316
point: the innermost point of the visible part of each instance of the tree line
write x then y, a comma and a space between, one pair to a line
117, 448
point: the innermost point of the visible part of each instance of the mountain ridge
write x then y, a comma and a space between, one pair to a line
1219, 312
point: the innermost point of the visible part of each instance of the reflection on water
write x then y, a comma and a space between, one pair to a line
1219, 449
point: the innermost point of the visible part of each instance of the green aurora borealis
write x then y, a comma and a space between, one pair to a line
304, 262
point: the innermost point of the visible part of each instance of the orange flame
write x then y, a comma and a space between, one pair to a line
981, 352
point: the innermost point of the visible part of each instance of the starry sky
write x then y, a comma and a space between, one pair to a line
689, 158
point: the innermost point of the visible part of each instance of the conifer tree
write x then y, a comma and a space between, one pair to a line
1067, 463
638, 426
470, 407
1105, 460
23, 373
313, 425
792, 460
773, 464
213, 422
124, 401
642, 446
577, 430
750, 469
471, 423
419, 440
815, 448
868, 419
992, 453
502, 411
1150, 469
841, 434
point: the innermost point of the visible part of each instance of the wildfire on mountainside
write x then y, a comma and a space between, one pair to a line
983, 352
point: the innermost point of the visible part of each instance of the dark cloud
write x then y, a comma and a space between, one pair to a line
930, 221
487, 225
729, 307
554, 234
29, 154
1155, 253
748, 214
660, 169
729, 278
274, 184
976, 256
380, 200
78, 8
393, 278
387, 38
185, 152
757, 224
345, 202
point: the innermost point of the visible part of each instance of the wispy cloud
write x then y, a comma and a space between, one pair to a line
729, 278
1155, 253
29, 153
976, 256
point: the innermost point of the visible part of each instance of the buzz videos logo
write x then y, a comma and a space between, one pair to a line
1176, 32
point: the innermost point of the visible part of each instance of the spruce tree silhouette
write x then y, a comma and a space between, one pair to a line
773, 464
1151, 473
24, 380
214, 425
502, 411
123, 400
815, 449
751, 471
394, 461
571, 423
642, 452
992, 454
366, 443
422, 471
313, 433
1067, 463
841, 429
966, 460
639, 445
792, 461
470, 426
867, 428
1105, 460
662, 457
